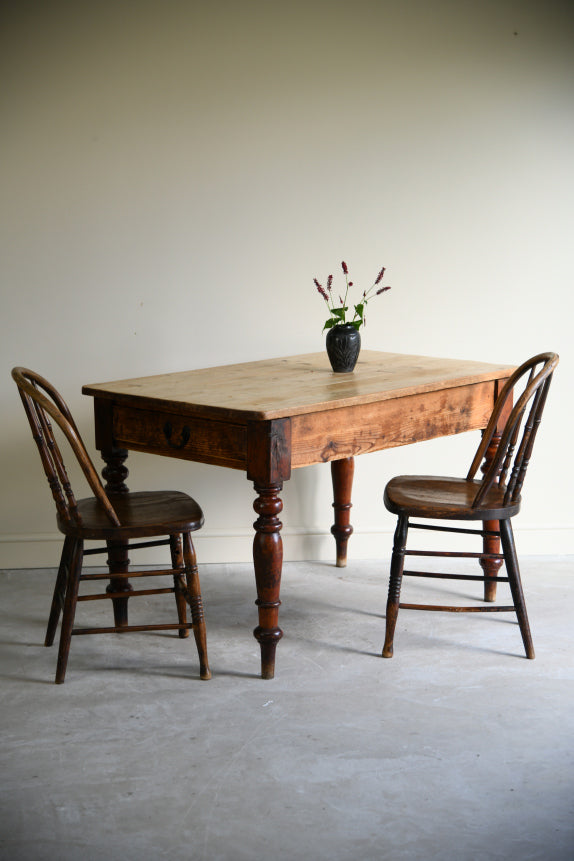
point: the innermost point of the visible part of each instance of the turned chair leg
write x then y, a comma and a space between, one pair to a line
75, 568
177, 562
396, 577
511, 560
59, 591
196, 604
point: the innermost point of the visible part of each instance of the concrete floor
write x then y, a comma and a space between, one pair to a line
457, 749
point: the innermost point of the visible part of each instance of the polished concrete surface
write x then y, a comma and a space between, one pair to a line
457, 749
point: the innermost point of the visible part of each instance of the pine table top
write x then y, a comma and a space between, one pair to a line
296, 385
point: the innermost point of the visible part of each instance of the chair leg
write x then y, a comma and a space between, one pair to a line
177, 562
196, 604
59, 591
396, 577
75, 569
511, 560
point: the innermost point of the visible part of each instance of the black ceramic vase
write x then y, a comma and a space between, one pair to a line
343, 347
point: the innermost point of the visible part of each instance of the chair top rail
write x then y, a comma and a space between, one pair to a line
512, 457
38, 406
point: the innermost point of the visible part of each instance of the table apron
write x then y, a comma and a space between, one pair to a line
315, 437
349, 431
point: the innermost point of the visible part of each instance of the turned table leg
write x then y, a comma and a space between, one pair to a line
342, 472
268, 466
268, 560
115, 474
490, 543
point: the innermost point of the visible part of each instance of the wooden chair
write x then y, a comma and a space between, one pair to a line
116, 520
494, 497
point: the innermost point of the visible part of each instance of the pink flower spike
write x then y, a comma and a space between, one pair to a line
345, 268
329, 283
380, 275
316, 283
322, 292
381, 290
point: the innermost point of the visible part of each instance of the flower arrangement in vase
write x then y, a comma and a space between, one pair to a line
343, 336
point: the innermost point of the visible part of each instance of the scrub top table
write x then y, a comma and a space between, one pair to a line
269, 417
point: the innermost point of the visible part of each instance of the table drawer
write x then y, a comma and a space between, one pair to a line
185, 437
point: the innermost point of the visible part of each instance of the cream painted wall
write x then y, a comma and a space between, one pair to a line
175, 173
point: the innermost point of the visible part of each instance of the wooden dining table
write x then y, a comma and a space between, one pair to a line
269, 417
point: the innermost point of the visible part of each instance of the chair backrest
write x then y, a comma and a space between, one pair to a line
529, 384
42, 402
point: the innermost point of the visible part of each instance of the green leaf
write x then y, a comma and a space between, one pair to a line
359, 310
340, 312
329, 324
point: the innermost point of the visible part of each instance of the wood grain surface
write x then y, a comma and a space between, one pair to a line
295, 385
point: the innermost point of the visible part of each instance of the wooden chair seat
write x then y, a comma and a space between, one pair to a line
141, 515
445, 498
493, 499
162, 517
